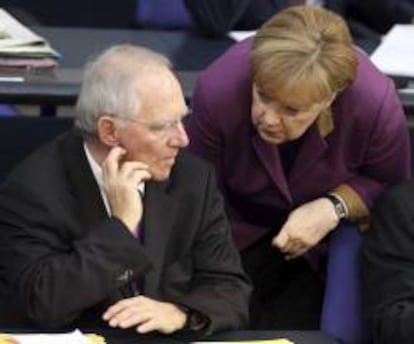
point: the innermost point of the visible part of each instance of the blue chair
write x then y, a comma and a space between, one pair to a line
342, 311
163, 14
7, 110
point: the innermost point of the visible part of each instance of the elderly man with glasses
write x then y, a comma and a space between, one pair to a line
111, 224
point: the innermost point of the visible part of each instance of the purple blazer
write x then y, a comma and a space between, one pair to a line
368, 149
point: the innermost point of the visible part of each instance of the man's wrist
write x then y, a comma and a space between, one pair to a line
195, 321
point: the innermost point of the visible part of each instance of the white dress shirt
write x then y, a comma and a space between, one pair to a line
97, 173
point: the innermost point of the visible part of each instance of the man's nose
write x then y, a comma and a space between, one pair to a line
180, 136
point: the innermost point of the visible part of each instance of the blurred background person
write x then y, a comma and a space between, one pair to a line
216, 18
388, 268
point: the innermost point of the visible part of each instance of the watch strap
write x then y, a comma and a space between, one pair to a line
195, 320
339, 206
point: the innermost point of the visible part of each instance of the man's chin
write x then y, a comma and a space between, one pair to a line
160, 176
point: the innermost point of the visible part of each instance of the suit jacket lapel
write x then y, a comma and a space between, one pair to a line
159, 213
311, 149
269, 156
85, 190
309, 153
159, 207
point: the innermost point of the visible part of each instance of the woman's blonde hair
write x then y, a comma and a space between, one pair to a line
304, 54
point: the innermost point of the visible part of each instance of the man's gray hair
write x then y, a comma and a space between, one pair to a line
110, 84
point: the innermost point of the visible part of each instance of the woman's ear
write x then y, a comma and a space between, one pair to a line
107, 131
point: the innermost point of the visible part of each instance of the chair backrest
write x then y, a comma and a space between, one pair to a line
342, 313
76, 13
7, 110
163, 14
21, 135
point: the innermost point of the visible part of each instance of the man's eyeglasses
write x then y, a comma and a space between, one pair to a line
160, 128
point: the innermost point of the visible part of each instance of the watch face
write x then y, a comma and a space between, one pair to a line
340, 211
338, 205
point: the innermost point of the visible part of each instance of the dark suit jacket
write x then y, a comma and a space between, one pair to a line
367, 19
368, 148
65, 260
218, 17
388, 268
381, 15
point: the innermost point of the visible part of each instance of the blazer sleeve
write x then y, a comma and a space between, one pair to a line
388, 268
220, 289
54, 275
386, 160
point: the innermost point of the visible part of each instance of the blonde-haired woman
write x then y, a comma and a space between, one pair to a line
305, 133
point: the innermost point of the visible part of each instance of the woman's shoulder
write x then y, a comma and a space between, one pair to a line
230, 69
370, 81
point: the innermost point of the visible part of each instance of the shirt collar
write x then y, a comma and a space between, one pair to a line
96, 169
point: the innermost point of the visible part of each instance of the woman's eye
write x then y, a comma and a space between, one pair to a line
263, 97
291, 111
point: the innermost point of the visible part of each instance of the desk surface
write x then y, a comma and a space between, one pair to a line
298, 337
188, 52
61, 86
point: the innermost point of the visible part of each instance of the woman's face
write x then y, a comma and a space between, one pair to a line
278, 122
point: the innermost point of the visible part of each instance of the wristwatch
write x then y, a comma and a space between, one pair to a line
195, 320
339, 206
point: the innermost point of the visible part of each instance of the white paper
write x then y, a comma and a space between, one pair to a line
12, 33
75, 337
250, 341
241, 35
17, 39
395, 55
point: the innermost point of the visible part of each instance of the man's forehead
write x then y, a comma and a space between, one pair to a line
163, 110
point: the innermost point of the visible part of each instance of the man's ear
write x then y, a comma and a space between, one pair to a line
107, 131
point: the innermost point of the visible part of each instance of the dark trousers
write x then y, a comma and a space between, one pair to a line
287, 295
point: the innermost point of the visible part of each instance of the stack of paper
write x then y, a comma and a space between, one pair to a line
22, 48
395, 55
75, 337
259, 341
241, 35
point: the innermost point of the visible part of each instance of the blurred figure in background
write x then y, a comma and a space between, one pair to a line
388, 268
216, 18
